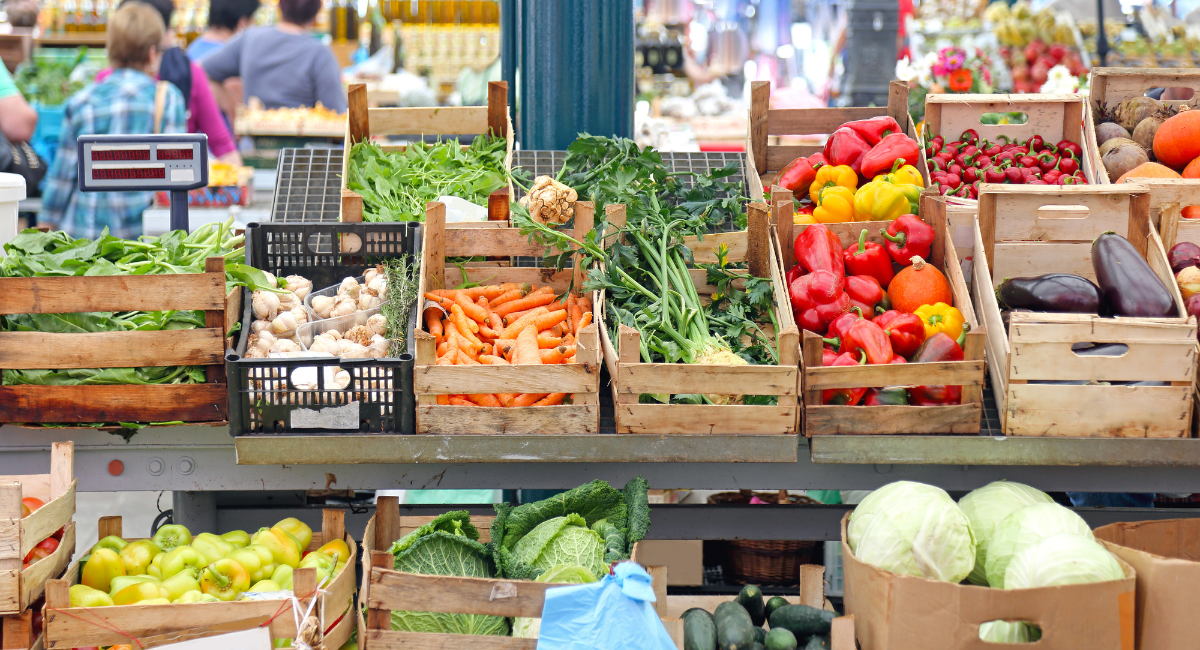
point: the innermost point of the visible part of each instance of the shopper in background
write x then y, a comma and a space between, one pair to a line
17, 118
127, 101
282, 65
225, 19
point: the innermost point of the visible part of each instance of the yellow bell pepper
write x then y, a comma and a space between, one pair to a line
802, 219
902, 175
940, 317
879, 201
225, 579
101, 568
832, 176
297, 528
835, 205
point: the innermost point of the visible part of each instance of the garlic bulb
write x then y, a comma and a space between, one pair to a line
377, 285
323, 305
300, 314
271, 279
341, 378
285, 345
344, 307
299, 285
284, 325
255, 353
352, 350
377, 325
326, 345
264, 341
367, 301
359, 334
259, 326
349, 287
333, 334
288, 300
265, 304
371, 273
378, 346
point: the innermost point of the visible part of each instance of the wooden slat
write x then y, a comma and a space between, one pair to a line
469, 242
458, 380
42, 523
121, 403
951, 373
872, 420
705, 418
637, 378
16, 632
96, 625
704, 250
352, 211
760, 105
1102, 411
357, 118
33, 579
497, 104
409, 523
558, 280
194, 347
395, 590
561, 419
389, 640
1047, 114
806, 121
1115, 85
451, 120
53, 295
778, 156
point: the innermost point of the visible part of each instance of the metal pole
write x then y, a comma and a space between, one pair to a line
509, 38
576, 70
1101, 37
179, 210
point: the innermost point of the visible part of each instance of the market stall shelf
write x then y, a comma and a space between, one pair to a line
79, 404
1029, 231
71, 627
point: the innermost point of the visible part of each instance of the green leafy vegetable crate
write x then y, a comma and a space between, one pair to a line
72, 627
363, 122
631, 378
68, 348
764, 160
821, 419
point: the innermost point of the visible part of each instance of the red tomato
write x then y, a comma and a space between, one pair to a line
29, 504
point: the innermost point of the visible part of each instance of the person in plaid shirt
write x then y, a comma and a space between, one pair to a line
122, 103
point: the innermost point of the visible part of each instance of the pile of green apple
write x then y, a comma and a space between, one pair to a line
174, 567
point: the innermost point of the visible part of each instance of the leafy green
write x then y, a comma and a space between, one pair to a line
48, 82
562, 540
395, 186
520, 540
447, 546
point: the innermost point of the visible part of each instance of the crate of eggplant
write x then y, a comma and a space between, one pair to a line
331, 349
1086, 328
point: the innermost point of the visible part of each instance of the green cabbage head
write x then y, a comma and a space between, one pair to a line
988, 506
564, 574
1009, 632
1027, 527
913, 529
1062, 560
562, 540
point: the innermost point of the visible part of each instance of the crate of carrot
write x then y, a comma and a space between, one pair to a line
511, 352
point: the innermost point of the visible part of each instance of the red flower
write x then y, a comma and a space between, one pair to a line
960, 80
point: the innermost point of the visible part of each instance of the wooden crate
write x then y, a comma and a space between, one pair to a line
362, 122
74, 627
430, 380
630, 378
764, 160
205, 402
1054, 117
21, 587
1111, 86
18, 632
821, 419
1031, 230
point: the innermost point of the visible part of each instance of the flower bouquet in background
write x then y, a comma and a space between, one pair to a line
950, 70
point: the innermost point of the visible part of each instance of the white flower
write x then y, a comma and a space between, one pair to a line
1060, 80
904, 70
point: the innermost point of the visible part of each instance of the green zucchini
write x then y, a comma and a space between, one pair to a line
735, 635
802, 620
699, 631
775, 603
758, 646
731, 608
751, 597
818, 642
780, 639
696, 610
760, 635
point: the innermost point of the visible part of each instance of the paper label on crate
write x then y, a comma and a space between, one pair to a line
330, 417
256, 638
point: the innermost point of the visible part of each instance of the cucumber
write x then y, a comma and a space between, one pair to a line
760, 635
818, 642
802, 620
731, 608
751, 598
780, 639
699, 631
775, 603
735, 635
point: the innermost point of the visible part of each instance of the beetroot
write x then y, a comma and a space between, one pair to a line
1192, 308
1183, 255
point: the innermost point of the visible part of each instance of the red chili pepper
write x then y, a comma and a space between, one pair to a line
846, 396
939, 140
898, 359
1031, 173
955, 169
1047, 161
1075, 149
1027, 161
983, 161
1068, 166
953, 180
970, 136
868, 337
1013, 175
970, 175
906, 331
938, 347
864, 292
1052, 176
970, 150
817, 299
993, 150
908, 237
875, 129
817, 159
846, 147
796, 175
1035, 143
881, 157
935, 164
1002, 156
868, 258
993, 174
1036, 181
840, 325
818, 249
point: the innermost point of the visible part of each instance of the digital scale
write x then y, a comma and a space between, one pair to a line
174, 163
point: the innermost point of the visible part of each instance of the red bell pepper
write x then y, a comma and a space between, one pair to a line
906, 331
864, 292
828, 356
890, 396
817, 299
819, 249
1075, 149
797, 175
897, 358
881, 157
846, 147
874, 129
939, 347
908, 237
840, 325
868, 337
868, 258
846, 396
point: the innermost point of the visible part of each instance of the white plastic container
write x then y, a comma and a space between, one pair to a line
12, 191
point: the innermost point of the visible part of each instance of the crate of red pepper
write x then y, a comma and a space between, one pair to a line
890, 342
975, 139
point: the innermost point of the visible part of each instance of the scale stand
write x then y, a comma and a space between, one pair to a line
174, 163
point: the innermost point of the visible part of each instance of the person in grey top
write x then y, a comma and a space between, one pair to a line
282, 65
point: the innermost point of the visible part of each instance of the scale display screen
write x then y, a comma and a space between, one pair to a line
122, 154
133, 163
175, 154
129, 173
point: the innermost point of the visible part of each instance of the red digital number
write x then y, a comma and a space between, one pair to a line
175, 154
107, 155
134, 173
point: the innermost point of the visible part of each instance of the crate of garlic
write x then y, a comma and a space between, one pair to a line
331, 350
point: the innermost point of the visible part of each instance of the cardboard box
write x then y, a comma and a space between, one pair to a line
1166, 556
684, 559
895, 612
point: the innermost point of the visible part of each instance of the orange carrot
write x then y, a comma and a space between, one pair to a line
526, 351
551, 399
443, 400
433, 321
575, 312
527, 399
546, 321
444, 301
583, 322
460, 320
516, 326
528, 302
553, 355
491, 359
465, 359
474, 311
485, 399
506, 399
515, 294
547, 340
585, 303
505, 347
459, 400
442, 348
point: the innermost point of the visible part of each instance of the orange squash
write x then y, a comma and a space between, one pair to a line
1149, 170
1192, 170
919, 284
1177, 141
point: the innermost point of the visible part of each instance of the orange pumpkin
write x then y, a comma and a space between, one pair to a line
919, 284
1149, 170
1177, 141
1192, 170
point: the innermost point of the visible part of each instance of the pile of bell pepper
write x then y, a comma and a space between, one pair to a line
841, 294
865, 173
175, 567
957, 168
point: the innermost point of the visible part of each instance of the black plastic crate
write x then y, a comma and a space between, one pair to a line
379, 397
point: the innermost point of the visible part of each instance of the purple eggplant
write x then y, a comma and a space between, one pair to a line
1183, 255
1129, 285
1053, 292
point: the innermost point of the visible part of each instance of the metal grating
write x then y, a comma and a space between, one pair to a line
308, 186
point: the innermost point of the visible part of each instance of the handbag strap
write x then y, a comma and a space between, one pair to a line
160, 100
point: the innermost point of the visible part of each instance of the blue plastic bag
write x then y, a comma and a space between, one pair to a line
615, 613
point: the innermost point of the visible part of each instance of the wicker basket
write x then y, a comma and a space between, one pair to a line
766, 562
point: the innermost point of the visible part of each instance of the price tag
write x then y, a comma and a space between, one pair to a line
256, 638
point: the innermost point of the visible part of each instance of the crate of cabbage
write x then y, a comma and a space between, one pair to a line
174, 586
908, 546
1093, 339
